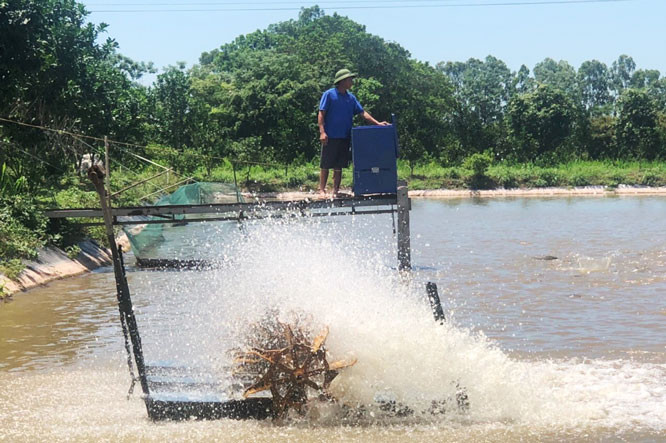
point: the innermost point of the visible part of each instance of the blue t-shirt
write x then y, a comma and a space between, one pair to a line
340, 111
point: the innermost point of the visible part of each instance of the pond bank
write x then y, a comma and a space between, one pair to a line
53, 263
592, 191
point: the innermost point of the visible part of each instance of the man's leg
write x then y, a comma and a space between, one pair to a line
337, 178
323, 178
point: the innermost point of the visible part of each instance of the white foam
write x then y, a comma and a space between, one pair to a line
384, 321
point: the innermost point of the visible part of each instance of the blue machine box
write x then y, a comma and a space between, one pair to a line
374, 154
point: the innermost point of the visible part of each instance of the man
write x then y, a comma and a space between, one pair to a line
337, 109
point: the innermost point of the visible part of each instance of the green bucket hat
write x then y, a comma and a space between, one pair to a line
343, 74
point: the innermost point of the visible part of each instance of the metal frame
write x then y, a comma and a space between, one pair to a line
154, 378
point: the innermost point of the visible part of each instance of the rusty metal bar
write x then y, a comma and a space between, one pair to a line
134, 185
217, 208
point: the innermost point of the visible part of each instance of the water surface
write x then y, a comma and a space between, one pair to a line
549, 349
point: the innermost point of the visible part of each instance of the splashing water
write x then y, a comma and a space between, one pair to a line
347, 281
342, 274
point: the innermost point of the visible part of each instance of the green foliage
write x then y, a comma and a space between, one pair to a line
10, 185
594, 82
602, 142
11, 269
482, 89
269, 83
539, 123
70, 232
559, 75
22, 228
55, 74
73, 251
637, 126
478, 163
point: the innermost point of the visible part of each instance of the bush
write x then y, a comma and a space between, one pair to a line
22, 228
478, 163
11, 269
73, 251
651, 178
580, 179
548, 177
70, 232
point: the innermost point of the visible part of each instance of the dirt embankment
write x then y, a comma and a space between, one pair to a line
53, 264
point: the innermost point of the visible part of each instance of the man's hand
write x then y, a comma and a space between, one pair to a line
370, 119
323, 137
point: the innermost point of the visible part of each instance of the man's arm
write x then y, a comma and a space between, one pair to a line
370, 119
323, 137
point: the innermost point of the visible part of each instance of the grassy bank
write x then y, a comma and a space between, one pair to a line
470, 175
23, 228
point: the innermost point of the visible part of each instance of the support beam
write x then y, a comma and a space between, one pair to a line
404, 244
127, 318
219, 208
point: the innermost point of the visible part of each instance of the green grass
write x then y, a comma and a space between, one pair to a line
529, 175
305, 177
23, 228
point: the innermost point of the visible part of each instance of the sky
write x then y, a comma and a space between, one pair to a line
517, 31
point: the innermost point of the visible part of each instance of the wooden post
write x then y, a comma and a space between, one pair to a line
435, 303
122, 288
107, 173
404, 248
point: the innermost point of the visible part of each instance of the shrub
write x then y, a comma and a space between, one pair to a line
478, 163
580, 179
73, 251
22, 228
650, 178
11, 269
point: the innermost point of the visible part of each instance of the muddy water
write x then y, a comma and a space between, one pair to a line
549, 349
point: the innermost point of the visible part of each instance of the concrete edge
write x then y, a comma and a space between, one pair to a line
499, 193
53, 264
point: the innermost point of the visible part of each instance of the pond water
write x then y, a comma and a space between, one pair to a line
556, 325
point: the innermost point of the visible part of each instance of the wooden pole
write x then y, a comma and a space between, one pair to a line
404, 248
107, 173
435, 303
122, 288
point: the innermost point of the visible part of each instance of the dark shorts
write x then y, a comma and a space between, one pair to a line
335, 154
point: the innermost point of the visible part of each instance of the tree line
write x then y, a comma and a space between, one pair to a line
255, 98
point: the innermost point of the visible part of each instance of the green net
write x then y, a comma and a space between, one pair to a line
167, 241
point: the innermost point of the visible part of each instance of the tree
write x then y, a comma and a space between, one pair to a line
539, 122
482, 90
644, 79
637, 126
560, 75
274, 78
594, 81
423, 129
172, 108
54, 74
622, 70
522, 82
602, 142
